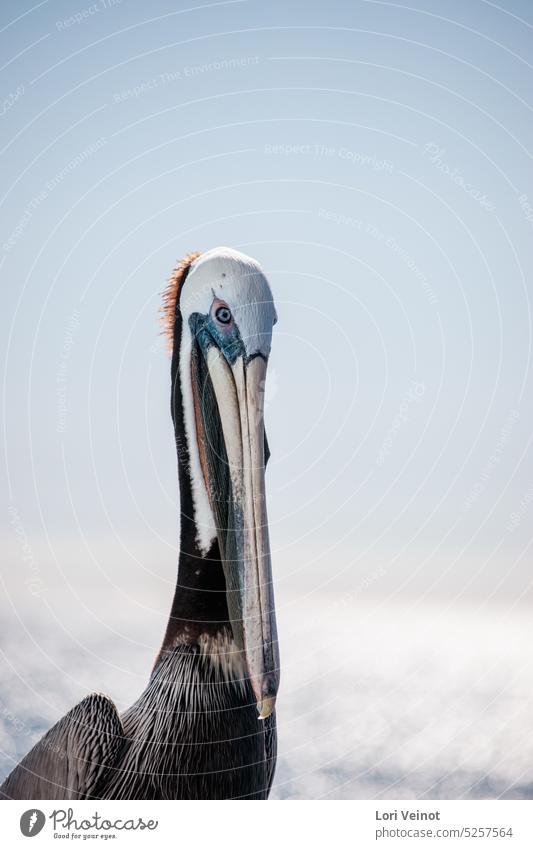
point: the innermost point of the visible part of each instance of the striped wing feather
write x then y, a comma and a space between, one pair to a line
71, 758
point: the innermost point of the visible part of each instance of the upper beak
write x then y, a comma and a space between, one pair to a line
237, 495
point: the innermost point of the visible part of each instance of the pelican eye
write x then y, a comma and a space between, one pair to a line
223, 314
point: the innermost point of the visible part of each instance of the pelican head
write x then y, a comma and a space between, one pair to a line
220, 313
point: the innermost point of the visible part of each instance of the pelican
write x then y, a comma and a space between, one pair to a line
204, 727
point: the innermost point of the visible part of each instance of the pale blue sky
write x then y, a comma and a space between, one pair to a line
372, 157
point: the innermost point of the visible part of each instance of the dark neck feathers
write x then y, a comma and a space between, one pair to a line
199, 606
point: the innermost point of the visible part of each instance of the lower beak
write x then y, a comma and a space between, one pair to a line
237, 495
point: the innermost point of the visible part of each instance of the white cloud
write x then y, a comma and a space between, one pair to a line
376, 700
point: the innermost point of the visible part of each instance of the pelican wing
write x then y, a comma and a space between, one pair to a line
71, 758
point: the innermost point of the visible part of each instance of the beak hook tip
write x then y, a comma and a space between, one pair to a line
266, 707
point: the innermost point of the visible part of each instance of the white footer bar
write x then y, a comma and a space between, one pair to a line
252, 825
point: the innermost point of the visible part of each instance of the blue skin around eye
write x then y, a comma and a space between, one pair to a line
206, 330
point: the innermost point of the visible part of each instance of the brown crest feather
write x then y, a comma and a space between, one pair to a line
170, 296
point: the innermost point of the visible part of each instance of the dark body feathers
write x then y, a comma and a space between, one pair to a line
200, 731
190, 735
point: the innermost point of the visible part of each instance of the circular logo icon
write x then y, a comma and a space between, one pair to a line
32, 822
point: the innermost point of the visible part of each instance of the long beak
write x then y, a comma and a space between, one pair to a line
235, 470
